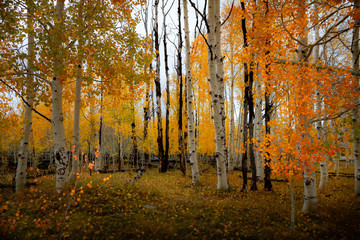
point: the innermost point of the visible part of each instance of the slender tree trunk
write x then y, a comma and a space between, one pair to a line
324, 168
76, 129
180, 81
239, 135
268, 110
232, 123
355, 114
258, 130
216, 79
27, 126
61, 158
251, 130
189, 101
77, 106
98, 139
133, 135
310, 194
163, 164
147, 94
146, 120
247, 107
167, 116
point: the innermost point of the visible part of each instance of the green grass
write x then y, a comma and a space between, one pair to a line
114, 209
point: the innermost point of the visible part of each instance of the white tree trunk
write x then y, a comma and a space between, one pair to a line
232, 123
355, 115
189, 101
324, 167
24, 145
310, 194
321, 130
61, 158
258, 129
76, 129
239, 139
216, 73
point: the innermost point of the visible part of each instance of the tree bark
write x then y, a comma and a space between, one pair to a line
248, 110
189, 101
163, 164
76, 129
167, 116
258, 130
147, 94
75, 148
98, 139
180, 82
310, 194
60, 150
27, 126
232, 123
216, 79
355, 115
319, 127
133, 135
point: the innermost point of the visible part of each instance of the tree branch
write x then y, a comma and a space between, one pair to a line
232, 6
23, 99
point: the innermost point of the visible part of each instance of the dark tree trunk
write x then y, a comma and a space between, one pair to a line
166, 157
251, 131
163, 164
245, 128
180, 81
248, 110
133, 136
146, 116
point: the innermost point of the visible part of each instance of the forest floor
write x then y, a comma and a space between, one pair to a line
168, 206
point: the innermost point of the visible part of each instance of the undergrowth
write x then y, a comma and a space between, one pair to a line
168, 206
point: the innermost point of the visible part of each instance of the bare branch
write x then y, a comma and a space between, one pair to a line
232, 6
23, 99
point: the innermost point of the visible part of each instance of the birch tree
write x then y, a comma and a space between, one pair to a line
77, 106
258, 130
310, 194
216, 79
232, 122
61, 159
27, 126
163, 164
189, 102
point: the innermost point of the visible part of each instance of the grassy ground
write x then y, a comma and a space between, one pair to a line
108, 206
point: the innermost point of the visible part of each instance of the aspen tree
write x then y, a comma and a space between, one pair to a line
319, 127
27, 128
75, 148
61, 158
257, 131
163, 164
167, 116
189, 101
180, 82
310, 194
232, 122
355, 115
216, 79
